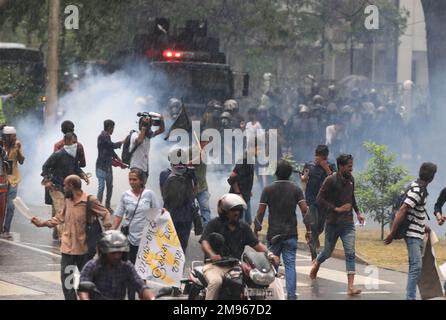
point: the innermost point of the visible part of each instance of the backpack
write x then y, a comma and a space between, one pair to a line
93, 230
127, 154
177, 191
404, 226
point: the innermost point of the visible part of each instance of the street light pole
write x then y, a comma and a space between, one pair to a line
53, 61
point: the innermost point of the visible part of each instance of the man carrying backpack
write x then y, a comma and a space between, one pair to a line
410, 224
74, 245
137, 145
178, 189
314, 175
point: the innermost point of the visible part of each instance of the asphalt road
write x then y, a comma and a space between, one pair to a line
29, 269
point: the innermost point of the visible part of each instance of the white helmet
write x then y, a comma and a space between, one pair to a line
407, 85
231, 201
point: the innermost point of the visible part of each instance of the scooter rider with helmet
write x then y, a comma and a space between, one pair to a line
236, 233
112, 273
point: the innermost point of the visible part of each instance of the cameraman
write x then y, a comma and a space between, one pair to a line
140, 142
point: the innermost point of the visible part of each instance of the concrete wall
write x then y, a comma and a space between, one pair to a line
412, 52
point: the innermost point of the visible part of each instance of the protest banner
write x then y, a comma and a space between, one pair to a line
160, 257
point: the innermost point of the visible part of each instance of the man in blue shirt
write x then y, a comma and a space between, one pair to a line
106, 154
314, 175
111, 274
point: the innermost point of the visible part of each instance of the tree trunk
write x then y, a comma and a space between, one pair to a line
434, 15
53, 60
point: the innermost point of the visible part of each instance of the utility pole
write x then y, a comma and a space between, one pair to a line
53, 61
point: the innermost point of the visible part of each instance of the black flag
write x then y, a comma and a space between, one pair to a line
182, 122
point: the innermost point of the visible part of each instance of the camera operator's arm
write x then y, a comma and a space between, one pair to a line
162, 127
139, 141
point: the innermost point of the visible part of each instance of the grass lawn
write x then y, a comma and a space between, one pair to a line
372, 249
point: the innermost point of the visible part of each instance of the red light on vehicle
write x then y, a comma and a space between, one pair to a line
169, 54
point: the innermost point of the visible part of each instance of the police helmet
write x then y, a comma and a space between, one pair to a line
303, 109
231, 105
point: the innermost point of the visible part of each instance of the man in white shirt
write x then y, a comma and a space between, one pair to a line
252, 126
140, 143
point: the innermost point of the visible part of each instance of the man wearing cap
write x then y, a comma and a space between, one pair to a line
14, 152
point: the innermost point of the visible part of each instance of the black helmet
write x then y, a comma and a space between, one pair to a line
214, 105
225, 115
113, 241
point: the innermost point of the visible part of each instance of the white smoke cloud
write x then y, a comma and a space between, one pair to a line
100, 97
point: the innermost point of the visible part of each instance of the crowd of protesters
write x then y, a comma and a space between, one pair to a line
327, 201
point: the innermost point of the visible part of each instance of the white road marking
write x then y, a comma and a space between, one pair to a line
31, 248
340, 276
298, 284
9, 289
49, 276
38, 245
369, 292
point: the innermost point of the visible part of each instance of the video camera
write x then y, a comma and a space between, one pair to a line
155, 117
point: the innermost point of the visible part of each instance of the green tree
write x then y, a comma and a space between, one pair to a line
12, 80
286, 38
380, 184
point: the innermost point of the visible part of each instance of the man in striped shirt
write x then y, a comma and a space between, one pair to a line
413, 210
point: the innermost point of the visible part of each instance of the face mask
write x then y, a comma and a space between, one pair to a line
71, 150
179, 169
68, 195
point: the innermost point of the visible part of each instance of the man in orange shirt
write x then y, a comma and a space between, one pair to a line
74, 247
